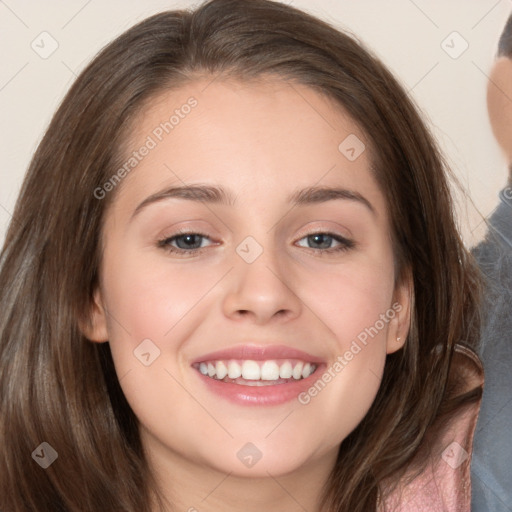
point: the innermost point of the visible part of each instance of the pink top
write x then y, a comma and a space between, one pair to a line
445, 485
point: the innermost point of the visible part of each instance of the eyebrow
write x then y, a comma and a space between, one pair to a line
218, 195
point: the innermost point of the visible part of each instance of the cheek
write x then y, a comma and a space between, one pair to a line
345, 392
154, 310
346, 389
351, 298
155, 301
352, 304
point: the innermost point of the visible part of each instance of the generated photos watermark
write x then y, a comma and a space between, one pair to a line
356, 346
157, 135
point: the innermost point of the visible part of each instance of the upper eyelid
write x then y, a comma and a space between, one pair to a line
341, 230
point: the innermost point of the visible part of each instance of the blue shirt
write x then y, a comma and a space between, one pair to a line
491, 467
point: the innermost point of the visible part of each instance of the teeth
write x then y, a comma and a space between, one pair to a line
256, 371
285, 372
234, 370
297, 371
251, 370
270, 371
222, 370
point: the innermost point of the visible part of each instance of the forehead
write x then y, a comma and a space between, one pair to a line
257, 137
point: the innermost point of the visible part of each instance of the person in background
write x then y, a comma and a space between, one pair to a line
492, 456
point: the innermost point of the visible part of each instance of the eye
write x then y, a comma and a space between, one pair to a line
185, 243
191, 243
328, 242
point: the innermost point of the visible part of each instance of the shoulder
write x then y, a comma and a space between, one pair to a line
495, 249
444, 484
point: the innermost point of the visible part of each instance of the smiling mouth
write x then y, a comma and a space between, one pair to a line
256, 373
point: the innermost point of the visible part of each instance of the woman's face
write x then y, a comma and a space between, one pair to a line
247, 282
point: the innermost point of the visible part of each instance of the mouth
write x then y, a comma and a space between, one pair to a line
255, 375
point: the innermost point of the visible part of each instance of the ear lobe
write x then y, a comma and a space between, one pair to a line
94, 327
402, 306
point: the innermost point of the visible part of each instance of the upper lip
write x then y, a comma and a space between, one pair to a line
259, 353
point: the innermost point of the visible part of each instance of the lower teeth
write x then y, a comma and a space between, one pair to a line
244, 382
258, 383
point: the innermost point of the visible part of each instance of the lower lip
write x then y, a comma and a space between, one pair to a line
260, 395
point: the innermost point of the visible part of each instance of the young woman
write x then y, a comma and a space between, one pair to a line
233, 281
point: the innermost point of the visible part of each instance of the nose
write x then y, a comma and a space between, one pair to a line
261, 292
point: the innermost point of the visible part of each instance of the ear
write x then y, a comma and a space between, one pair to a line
94, 327
402, 306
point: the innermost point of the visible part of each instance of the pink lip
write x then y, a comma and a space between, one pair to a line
260, 395
263, 395
259, 353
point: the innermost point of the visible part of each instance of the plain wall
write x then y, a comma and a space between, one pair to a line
408, 35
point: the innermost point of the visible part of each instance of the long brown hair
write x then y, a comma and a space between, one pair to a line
57, 387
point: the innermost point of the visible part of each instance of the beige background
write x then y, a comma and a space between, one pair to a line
407, 34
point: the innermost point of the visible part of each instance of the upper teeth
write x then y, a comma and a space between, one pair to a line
257, 370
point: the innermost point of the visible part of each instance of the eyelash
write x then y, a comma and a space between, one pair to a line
165, 243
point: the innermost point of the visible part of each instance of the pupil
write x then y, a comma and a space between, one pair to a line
188, 242
322, 241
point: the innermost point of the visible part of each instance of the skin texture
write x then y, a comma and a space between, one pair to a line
499, 104
262, 142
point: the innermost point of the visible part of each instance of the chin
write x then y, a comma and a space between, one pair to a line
264, 457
